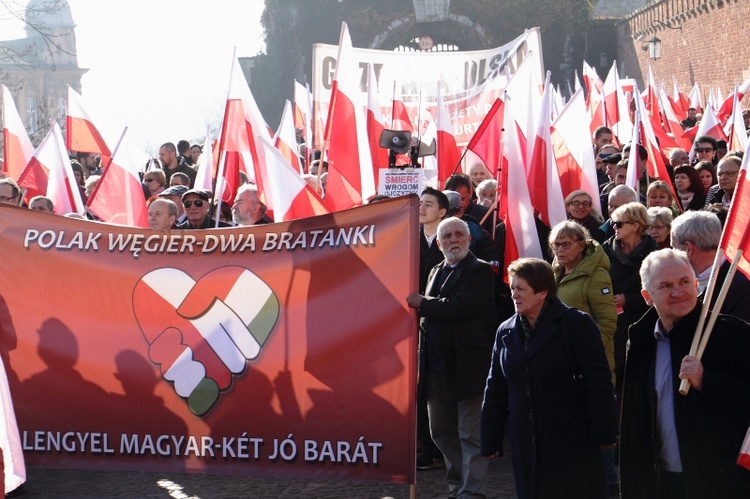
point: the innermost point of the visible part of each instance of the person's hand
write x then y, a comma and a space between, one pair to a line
414, 300
620, 300
691, 369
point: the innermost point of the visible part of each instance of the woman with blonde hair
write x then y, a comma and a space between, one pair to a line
580, 208
626, 251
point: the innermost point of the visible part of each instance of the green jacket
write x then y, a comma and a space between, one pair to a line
589, 289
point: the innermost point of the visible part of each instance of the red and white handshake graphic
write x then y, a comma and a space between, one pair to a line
201, 333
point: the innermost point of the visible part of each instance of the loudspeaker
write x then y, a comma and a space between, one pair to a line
395, 140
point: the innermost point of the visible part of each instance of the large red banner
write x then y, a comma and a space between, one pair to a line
277, 350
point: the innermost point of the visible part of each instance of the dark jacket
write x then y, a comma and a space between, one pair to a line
697, 203
458, 322
429, 256
737, 301
710, 423
555, 435
624, 271
208, 223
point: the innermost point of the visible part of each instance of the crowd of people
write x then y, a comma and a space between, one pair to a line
596, 333
578, 361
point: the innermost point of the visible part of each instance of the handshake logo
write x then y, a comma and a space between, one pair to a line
201, 333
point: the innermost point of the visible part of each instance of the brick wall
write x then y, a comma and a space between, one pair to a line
712, 48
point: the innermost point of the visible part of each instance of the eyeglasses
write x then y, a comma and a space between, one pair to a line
198, 203
148, 180
564, 245
619, 224
703, 149
727, 174
580, 204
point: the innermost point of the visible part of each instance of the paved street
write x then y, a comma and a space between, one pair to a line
97, 484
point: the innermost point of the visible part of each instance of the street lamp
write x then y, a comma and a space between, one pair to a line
654, 48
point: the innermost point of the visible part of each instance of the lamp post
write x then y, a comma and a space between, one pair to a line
654, 48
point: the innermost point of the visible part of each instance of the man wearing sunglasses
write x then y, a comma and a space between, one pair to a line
196, 203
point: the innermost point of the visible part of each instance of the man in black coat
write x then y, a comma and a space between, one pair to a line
673, 445
458, 321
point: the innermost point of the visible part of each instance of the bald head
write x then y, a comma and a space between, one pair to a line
162, 214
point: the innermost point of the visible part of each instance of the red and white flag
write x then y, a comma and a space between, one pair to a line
118, 197
285, 140
237, 149
735, 128
652, 95
735, 235
680, 102
571, 146
375, 125
710, 126
656, 166
17, 150
695, 99
594, 86
81, 134
544, 181
350, 173
633, 174
62, 188
672, 122
525, 89
607, 112
399, 115
204, 177
521, 238
448, 154
303, 114
486, 141
292, 196
725, 111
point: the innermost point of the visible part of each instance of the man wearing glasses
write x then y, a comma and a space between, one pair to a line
196, 203
728, 174
705, 149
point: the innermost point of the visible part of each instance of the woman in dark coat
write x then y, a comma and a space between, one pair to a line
556, 432
626, 250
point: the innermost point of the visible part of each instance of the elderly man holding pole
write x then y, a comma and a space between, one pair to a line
683, 446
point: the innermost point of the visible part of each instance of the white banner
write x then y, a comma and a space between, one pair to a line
471, 81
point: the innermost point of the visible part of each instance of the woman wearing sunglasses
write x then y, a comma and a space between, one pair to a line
626, 250
154, 180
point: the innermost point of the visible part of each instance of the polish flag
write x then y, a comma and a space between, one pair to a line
350, 173
285, 140
237, 149
656, 166
486, 141
81, 134
448, 154
61, 182
709, 125
681, 103
652, 95
118, 197
607, 112
303, 114
293, 198
545, 190
725, 110
695, 99
525, 89
673, 123
521, 238
18, 149
375, 125
632, 177
735, 128
204, 177
735, 235
594, 86
571, 146
399, 115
